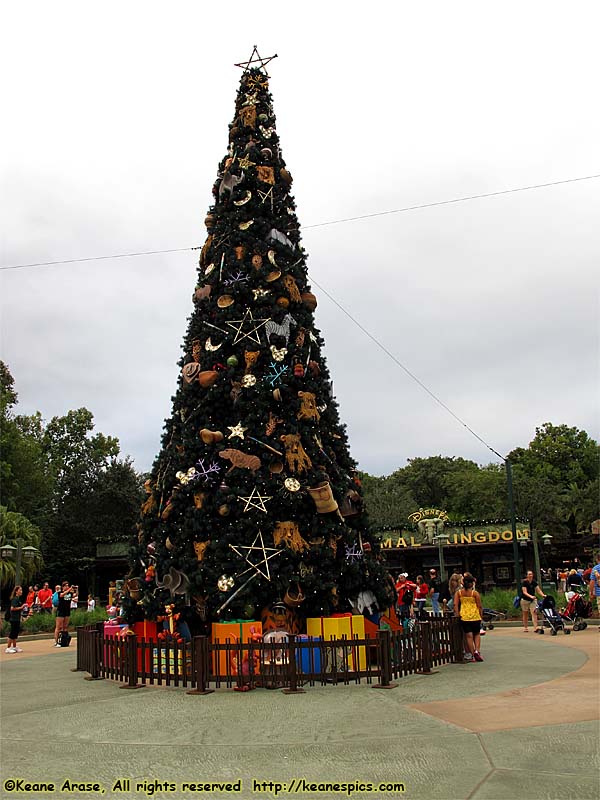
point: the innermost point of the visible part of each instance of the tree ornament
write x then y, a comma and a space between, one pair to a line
298, 369
272, 423
255, 548
292, 485
275, 373
257, 262
273, 276
266, 133
210, 347
200, 549
323, 498
296, 457
191, 371
225, 300
196, 350
353, 554
271, 257
292, 288
247, 196
288, 534
309, 300
243, 226
210, 437
294, 596
273, 328
208, 378
223, 510
265, 174
248, 381
235, 277
199, 498
229, 182
240, 252
255, 500
232, 361
170, 620
283, 302
241, 460
314, 369
300, 336
202, 292
175, 581
236, 431
250, 358
248, 120
225, 583
308, 407
186, 477
252, 326
286, 176
264, 196
206, 471
278, 354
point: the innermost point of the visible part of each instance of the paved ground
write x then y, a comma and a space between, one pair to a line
525, 723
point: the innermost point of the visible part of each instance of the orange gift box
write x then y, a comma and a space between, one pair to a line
232, 632
338, 626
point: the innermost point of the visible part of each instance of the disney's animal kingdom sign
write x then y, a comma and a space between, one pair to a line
486, 534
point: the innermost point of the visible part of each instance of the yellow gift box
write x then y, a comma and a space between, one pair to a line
338, 626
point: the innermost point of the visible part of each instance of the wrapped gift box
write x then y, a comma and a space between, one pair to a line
304, 655
224, 661
148, 631
172, 662
338, 626
114, 653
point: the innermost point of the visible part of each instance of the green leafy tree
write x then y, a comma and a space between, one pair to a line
388, 501
14, 526
254, 433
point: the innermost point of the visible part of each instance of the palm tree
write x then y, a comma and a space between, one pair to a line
14, 526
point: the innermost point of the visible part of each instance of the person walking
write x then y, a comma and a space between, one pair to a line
63, 611
529, 588
16, 606
467, 606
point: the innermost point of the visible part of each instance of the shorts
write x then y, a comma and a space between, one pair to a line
470, 626
526, 604
15, 630
63, 615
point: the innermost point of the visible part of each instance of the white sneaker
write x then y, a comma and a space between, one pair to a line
10, 650
57, 645
18, 649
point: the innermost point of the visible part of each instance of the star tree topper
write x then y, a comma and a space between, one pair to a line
256, 566
260, 62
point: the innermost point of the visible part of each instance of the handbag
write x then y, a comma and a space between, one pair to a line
516, 601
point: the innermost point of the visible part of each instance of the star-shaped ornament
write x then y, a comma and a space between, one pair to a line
251, 98
256, 566
266, 196
252, 330
245, 163
260, 293
236, 430
255, 500
258, 62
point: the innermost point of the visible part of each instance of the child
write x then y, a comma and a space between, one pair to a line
91, 605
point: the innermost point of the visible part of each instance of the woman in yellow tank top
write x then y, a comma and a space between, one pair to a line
467, 606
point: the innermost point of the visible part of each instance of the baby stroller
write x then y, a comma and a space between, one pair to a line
552, 619
490, 616
577, 609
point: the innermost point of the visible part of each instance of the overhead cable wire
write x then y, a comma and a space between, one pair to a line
317, 224
401, 365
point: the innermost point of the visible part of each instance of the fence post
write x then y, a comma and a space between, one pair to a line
131, 664
201, 666
425, 634
93, 645
457, 641
80, 644
293, 688
384, 652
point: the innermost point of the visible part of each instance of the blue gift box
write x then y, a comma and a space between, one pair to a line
308, 659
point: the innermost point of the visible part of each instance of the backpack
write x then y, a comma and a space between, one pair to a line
408, 598
517, 601
55, 599
64, 639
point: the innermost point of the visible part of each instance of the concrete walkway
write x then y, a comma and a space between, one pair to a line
522, 724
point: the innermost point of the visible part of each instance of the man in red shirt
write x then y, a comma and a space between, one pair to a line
45, 599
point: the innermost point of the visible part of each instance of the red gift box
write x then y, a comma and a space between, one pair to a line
147, 630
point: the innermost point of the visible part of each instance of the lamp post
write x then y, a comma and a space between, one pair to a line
441, 539
513, 521
17, 554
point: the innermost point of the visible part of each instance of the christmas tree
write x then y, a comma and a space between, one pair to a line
254, 499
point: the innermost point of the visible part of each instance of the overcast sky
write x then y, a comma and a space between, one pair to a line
115, 116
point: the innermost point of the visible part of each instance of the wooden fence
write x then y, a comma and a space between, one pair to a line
200, 666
